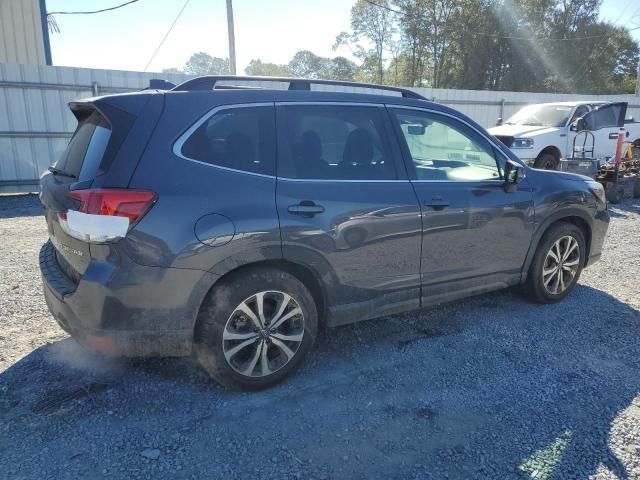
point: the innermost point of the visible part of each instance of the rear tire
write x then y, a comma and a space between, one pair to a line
239, 346
546, 161
557, 264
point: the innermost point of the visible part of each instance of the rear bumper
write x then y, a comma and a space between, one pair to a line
126, 309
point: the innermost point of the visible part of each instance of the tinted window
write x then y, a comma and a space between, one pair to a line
444, 149
604, 117
238, 138
334, 142
86, 148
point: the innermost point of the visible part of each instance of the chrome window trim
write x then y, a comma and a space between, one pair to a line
329, 180
178, 144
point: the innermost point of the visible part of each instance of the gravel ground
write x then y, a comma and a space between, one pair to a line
492, 387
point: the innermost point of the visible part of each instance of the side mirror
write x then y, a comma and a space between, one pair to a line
579, 125
416, 129
513, 175
499, 121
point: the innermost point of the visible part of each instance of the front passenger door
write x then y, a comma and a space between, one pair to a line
475, 235
605, 123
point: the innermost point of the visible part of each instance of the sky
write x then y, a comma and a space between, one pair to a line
271, 30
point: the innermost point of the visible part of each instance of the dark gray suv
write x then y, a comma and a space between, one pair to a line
237, 223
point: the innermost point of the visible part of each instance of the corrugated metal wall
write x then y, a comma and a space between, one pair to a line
35, 123
21, 32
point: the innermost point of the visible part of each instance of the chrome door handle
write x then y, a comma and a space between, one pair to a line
306, 209
438, 203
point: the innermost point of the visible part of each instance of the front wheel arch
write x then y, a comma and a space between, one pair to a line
575, 217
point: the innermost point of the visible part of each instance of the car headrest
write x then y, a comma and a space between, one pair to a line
358, 148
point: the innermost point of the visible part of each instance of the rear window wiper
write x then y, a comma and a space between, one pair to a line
57, 171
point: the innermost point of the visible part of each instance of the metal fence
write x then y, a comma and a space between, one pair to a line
35, 123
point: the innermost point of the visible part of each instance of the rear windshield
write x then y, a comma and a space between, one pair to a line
86, 148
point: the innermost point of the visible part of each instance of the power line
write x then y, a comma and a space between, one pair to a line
175, 20
510, 37
94, 11
386, 7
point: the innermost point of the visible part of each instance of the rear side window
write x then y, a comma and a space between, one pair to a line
86, 148
338, 142
238, 138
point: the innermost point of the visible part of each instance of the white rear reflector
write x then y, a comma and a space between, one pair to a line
94, 228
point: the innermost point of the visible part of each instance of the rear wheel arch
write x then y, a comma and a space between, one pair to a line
309, 278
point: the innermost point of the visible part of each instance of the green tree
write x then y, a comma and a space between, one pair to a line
373, 23
306, 64
259, 68
341, 68
202, 63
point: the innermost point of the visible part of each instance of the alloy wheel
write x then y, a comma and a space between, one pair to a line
561, 265
263, 333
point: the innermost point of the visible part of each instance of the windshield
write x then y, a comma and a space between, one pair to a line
542, 115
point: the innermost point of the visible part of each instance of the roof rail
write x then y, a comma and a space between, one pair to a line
208, 82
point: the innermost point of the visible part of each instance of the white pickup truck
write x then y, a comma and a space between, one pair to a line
542, 133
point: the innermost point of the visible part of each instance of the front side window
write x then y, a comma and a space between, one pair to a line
443, 149
581, 111
333, 142
238, 138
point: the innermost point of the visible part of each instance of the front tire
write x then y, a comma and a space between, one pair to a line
255, 328
557, 264
546, 161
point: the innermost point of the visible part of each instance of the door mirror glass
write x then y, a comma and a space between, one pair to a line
513, 175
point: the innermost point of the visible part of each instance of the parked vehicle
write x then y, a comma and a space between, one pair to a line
541, 134
239, 223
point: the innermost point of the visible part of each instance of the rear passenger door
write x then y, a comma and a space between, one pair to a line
346, 206
475, 235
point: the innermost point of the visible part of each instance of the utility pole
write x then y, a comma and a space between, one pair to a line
232, 38
638, 81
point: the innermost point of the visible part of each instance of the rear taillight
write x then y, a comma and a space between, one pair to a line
118, 202
105, 214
